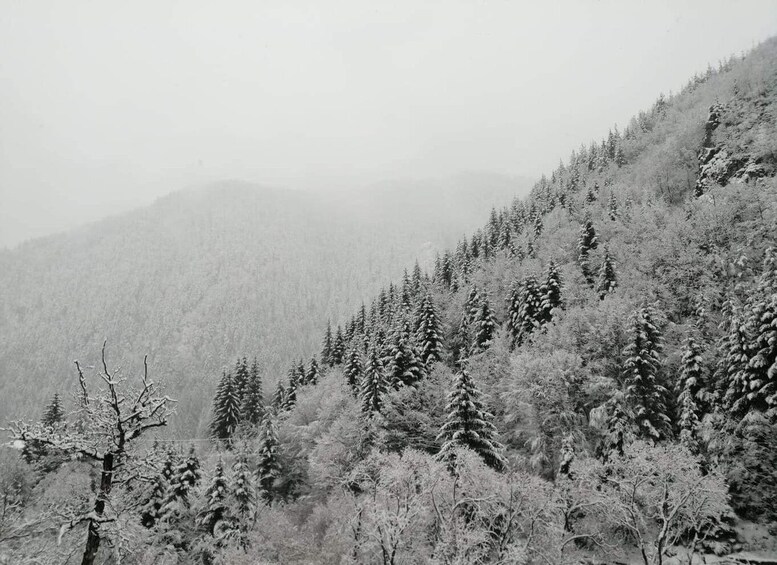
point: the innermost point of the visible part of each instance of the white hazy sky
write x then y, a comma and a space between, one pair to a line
105, 105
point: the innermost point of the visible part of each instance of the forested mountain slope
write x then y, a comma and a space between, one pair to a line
205, 274
621, 315
590, 377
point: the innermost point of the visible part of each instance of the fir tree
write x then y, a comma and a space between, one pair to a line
216, 505
537, 225
485, 326
692, 374
429, 332
186, 476
252, 408
279, 397
290, 396
226, 409
405, 367
524, 307
53, 415
338, 348
153, 510
353, 370
326, 348
586, 242
550, 294
313, 373
268, 467
243, 491
607, 281
612, 207
619, 430
373, 386
645, 394
469, 425
240, 377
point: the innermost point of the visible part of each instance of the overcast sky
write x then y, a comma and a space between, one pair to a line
106, 105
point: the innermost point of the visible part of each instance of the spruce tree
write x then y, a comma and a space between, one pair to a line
153, 510
373, 386
612, 207
243, 491
429, 332
353, 370
645, 394
619, 430
338, 348
326, 348
279, 397
524, 307
252, 407
405, 367
485, 326
607, 281
226, 409
240, 377
587, 241
290, 397
216, 505
469, 425
186, 476
268, 467
537, 225
550, 294
313, 373
692, 375
53, 415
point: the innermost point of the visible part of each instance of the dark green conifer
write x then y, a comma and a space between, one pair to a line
268, 466
429, 332
252, 407
645, 394
313, 373
468, 424
226, 409
353, 370
550, 294
326, 349
485, 326
607, 281
338, 347
405, 367
53, 415
373, 386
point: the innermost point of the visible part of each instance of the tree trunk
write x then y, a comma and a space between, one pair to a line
93, 537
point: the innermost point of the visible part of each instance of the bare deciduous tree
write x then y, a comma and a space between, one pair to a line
107, 422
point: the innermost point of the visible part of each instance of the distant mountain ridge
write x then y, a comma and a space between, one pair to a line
205, 274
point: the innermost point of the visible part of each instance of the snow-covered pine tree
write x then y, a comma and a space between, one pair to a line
290, 397
550, 294
252, 408
54, 414
607, 281
587, 241
468, 424
240, 377
405, 367
268, 467
484, 326
338, 347
693, 378
243, 491
216, 506
279, 397
429, 332
352, 371
226, 409
314, 373
537, 225
612, 206
523, 310
153, 510
645, 394
326, 348
373, 385
619, 430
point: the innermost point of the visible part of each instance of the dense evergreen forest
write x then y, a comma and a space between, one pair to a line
590, 377
203, 275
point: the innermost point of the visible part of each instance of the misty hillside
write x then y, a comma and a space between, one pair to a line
205, 274
588, 375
